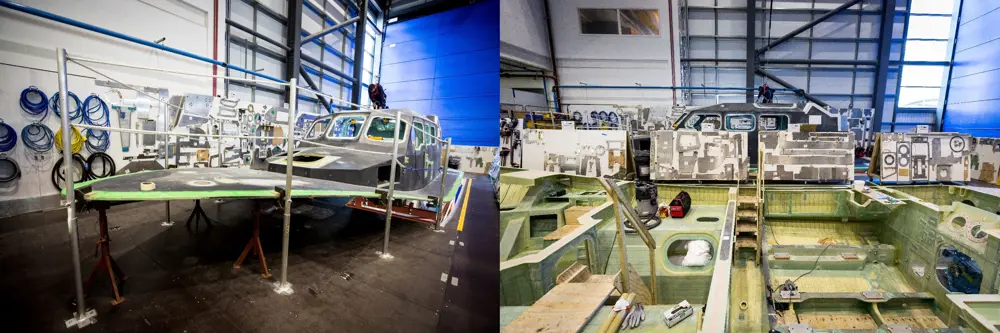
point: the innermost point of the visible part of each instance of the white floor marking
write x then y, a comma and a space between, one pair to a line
454, 281
461, 243
444, 277
451, 242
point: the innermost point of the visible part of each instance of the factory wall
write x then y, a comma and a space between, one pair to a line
613, 60
445, 64
524, 36
717, 30
973, 99
27, 58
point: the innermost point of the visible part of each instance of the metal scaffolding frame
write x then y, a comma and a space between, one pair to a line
84, 316
755, 62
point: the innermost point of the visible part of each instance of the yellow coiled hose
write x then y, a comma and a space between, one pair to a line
76, 139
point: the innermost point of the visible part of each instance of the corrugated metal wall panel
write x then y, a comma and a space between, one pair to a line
973, 98
447, 64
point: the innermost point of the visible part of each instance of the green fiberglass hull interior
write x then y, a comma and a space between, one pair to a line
836, 243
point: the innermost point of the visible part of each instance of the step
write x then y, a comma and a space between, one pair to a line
576, 272
747, 214
746, 241
747, 199
746, 227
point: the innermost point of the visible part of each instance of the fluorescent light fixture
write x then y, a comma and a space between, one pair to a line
393, 20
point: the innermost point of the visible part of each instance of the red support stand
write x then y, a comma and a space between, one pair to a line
407, 212
254, 244
105, 260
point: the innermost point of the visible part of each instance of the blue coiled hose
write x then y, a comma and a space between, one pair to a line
97, 140
96, 114
8, 137
38, 108
37, 137
76, 106
96, 111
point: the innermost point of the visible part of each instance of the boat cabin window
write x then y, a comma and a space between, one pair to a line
773, 122
418, 135
318, 128
740, 122
382, 128
696, 120
346, 126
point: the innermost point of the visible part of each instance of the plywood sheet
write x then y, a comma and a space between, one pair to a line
565, 308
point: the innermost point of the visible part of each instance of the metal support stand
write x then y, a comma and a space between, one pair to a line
282, 286
444, 180
254, 245
197, 215
166, 165
105, 260
384, 254
82, 317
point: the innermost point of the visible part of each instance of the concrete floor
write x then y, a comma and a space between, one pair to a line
182, 280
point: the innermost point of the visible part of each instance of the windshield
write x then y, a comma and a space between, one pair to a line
383, 128
347, 126
318, 128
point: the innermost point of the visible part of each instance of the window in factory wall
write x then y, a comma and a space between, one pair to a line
689, 252
957, 272
603, 21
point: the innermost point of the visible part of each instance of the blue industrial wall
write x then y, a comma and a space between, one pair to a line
448, 64
974, 88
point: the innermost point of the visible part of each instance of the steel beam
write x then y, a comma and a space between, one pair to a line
818, 20
751, 57
257, 34
359, 52
784, 83
943, 105
293, 58
328, 30
791, 61
312, 85
902, 55
325, 67
882, 68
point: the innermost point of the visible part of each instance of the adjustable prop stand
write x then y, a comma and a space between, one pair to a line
254, 244
197, 215
105, 260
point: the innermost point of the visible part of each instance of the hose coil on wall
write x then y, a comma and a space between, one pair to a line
58, 175
106, 161
76, 107
34, 103
37, 137
76, 140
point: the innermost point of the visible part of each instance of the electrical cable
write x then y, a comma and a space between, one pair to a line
76, 140
107, 162
815, 264
76, 107
8, 137
37, 137
37, 109
95, 105
15, 174
97, 141
58, 175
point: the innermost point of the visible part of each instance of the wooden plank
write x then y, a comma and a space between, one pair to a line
562, 231
565, 308
574, 213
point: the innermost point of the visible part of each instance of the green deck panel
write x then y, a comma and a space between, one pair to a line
509, 313
99, 191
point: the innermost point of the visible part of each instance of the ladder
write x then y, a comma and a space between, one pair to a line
750, 214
